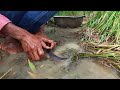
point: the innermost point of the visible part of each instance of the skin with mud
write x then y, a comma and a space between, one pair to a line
16, 66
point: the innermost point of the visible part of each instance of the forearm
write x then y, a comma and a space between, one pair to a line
6, 27
15, 31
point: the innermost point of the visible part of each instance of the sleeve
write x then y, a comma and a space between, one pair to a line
3, 21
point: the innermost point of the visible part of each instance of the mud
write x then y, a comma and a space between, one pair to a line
83, 68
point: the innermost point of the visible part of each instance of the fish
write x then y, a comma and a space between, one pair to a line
53, 56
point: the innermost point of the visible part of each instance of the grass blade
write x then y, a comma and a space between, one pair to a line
32, 66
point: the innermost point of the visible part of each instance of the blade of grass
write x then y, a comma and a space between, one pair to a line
32, 66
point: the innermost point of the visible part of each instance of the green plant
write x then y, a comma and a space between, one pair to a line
106, 23
32, 66
70, 13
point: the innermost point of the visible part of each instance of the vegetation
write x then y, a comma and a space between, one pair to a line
106, 23
70, 13
32, 66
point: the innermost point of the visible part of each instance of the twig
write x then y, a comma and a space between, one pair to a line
6, 73
115, 68
104, 46
114, 47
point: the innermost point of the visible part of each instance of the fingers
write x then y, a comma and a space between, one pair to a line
41, 52
25, 47
28, 51
34, 48
36, 55
31, 51
52, 43
47, 40
44, 45
31, 56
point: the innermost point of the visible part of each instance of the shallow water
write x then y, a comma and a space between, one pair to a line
83, 68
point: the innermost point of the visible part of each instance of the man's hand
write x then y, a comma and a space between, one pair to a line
46, 42
30, 43
33, 47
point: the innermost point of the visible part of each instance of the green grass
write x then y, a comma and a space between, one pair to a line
70, 13
106, 23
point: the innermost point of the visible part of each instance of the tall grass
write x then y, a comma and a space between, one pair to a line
106, 23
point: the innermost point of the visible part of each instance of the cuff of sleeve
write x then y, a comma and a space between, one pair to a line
3, 21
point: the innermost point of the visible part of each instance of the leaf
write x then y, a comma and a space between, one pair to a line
32, 66
102, 38
33, 75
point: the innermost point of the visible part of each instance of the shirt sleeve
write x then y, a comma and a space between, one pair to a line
3, 21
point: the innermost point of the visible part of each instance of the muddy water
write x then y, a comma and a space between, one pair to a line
82, 68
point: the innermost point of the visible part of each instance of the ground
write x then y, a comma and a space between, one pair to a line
83, 68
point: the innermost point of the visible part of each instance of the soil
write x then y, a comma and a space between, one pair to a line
67, 44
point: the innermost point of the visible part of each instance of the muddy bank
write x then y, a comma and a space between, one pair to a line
83, 68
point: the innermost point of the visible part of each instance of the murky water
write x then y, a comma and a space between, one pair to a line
83, 68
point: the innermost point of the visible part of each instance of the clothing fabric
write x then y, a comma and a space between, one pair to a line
29, 20
3, 21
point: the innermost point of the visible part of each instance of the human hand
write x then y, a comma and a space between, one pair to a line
33, 47
46, 42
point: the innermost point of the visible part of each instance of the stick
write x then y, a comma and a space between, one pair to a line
6, 73
104, 46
